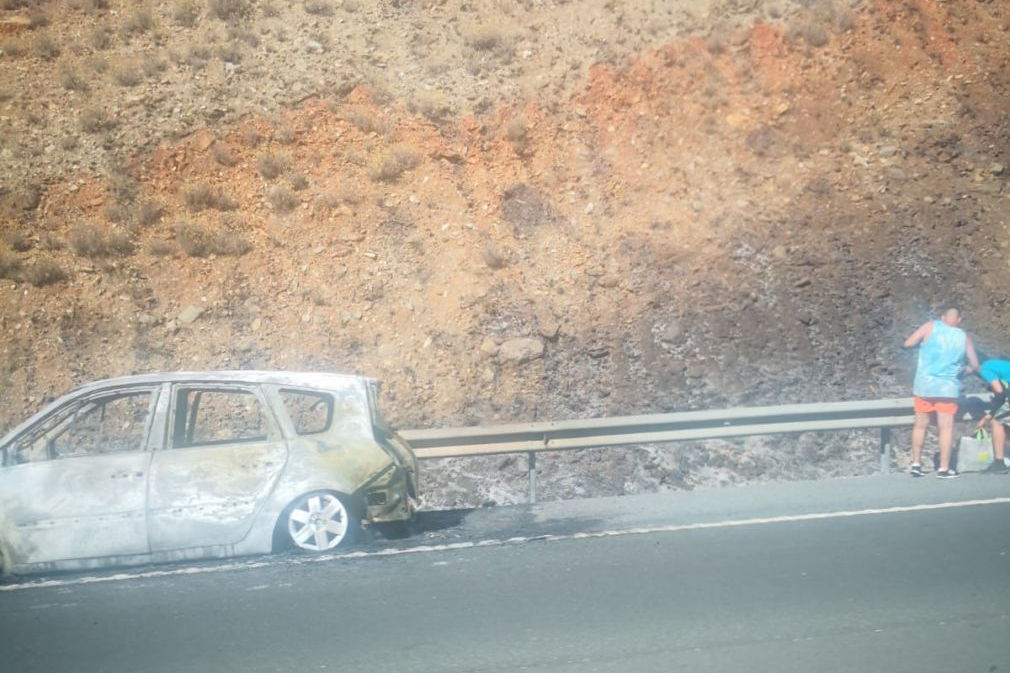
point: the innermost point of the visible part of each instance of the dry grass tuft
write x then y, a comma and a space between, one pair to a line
494, 257
139, 21
161, 248
286, 135
229, 10
204, 196
199, 241
392, 163
365, 120
18, 241
186, 13
127, 73
100, 37
46, 272
223, 154
318, 7
149, 213
72, 80
88, 240
271, 166
434, 105
485, 38
12, 48
282, 199
95, 119
46, 47
9, 264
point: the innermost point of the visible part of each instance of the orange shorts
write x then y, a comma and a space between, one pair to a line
941, 405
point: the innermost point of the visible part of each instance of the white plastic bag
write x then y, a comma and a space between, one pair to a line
974, 452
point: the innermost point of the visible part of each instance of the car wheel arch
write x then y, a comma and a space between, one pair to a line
353, 503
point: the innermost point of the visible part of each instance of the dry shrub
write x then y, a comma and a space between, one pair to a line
161, 248
26, 197
139, 21
199, 241
49, 241
494, 257
88, 240
286, 135
12, 48
127, 73
46, 272
122, 187
46, 47
230, 53
152, 65
517, 132
204, 196
100, 37
392, 163
844, 20
365, 119
94, 119
149, 213
282, 199
186, 13
37, 18
18, 241
72, 80
9, 264
318, 7
198, 56
716, 41
485, 38
271, 166
433, 105
223, 154
117, 212
298, 181
814, 34
97, 64
229, 10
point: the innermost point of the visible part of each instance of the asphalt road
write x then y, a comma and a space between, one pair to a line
756, 590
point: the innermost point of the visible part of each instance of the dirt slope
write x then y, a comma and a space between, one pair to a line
673, 206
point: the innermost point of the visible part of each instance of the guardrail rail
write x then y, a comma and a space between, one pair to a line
533, 438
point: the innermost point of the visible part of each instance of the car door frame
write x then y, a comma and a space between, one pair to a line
19, 545
159, 515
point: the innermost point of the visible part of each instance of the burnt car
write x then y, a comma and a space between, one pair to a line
188, 465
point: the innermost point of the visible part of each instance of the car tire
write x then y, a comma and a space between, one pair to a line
320, 521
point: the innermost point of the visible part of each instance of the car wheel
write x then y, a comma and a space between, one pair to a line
321, 521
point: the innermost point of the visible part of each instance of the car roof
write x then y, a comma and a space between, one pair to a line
321, 380
280, 377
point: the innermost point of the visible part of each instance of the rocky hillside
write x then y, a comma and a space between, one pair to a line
524, 210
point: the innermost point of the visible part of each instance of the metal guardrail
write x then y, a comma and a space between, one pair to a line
533, 438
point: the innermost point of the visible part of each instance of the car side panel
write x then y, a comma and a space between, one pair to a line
75, 507
202, 495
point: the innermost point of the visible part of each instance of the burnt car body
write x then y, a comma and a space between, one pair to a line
185, 465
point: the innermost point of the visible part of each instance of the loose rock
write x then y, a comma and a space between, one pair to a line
521, 350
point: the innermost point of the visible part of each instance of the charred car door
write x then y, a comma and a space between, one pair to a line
75, 482
222, 457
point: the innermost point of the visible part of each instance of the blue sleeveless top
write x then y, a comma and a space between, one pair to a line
940, 358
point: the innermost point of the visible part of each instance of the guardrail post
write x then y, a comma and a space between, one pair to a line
885, 450
531, 466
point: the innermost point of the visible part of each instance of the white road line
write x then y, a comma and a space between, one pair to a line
422, 549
